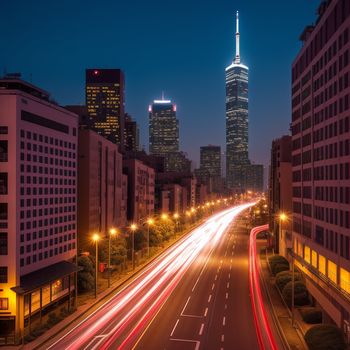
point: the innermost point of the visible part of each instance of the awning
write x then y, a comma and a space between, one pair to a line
39, 278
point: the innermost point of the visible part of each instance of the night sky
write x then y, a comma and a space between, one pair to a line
180, 47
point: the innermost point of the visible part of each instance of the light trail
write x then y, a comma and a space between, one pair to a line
263, 329
129, 311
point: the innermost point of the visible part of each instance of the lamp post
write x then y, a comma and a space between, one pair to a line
96, 238
133, 228
176, 217
112, 233
149, 223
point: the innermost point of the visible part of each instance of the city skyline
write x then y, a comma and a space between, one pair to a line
214, 42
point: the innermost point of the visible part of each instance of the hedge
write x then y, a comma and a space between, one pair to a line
311, 315
325, 337
282, 278
301, 295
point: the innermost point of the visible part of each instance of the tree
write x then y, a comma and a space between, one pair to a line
86, 275
325, 337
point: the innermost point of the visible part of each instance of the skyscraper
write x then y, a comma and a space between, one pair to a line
210, 159
236, 120
131, 134
105, 102
163, 128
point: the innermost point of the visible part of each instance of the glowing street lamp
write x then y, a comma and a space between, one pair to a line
176, 217
133, 228
96, 238
164, 216
112, 233
150, 222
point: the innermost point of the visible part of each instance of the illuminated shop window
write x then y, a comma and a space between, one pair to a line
307, 256
322, 264
345, 280
332, 271
314, 259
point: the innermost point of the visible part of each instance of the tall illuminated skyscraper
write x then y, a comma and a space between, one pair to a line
237, 158
105, 102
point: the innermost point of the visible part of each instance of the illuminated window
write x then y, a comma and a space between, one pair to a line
300, 249
322, 264
4, 303
307, 254
314, 259
332, 271
345, 280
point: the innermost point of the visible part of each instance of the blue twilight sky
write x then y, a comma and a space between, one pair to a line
180, 47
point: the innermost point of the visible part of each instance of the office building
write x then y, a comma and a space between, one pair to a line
163, 128
131, 134
236, 120
105, 102
210, 168
280, 194
140, 197
321, 159
38, 198
99, 187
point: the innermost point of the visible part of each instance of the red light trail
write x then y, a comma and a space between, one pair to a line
263, 329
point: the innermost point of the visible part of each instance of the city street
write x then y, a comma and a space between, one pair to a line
193, 296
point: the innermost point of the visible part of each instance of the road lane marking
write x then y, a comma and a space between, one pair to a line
172, 332
225, 306
206, 312
209, 298
226, 295
222, 337
213, 286
228, 285
185, 305
229, 275
224, 321
216, 276
188, 341
201, 330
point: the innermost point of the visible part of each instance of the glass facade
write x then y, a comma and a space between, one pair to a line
236, 126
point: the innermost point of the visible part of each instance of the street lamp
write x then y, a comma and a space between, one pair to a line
149, 222
112, 233
164, 216
96, 238
133, 228
176, 217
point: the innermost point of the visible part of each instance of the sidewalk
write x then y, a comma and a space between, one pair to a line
293, 336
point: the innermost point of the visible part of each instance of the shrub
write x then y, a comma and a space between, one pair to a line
325, 337
86, 277
53, 319
311, 315
276, 268
277, 259
282, 278
301, 295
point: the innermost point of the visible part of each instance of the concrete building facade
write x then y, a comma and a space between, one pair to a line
321, 158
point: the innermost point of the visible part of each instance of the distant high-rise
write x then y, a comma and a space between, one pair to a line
131, 134
163, 128
236, 121
210, 160
105, 102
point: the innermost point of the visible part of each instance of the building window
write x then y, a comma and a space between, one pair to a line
4, 303
3, 243
345, 280
3, 183
3, 211
4, 130
3, 274
332, 271
3, 151
322, 264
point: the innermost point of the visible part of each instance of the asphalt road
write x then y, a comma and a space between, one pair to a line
195, 295
211, 307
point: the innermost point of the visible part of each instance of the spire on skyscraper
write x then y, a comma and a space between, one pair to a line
237, 59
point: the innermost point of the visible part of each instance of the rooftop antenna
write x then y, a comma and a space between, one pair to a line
237, 59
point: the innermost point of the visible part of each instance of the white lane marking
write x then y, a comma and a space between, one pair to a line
205, 312
209, 298
188, 341
201, 330
225, 306
233, 253
229, 275
231, 261
222, 337
213, 286
226, 295
185, 305
216, 277
228, 285
224, 321
172, 332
